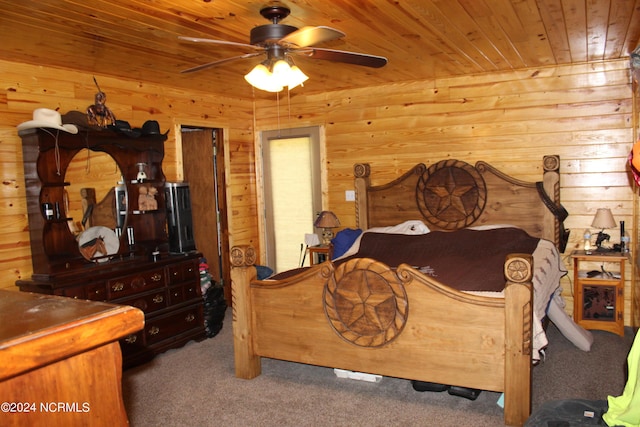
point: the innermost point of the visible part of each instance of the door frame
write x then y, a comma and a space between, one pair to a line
225, 226
260, 137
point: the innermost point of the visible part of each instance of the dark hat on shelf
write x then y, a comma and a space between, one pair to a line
79, 119
151, 127
124, 127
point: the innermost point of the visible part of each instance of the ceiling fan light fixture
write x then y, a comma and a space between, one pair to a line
277, 41
296, 77
280, 72
273, 76
262, 78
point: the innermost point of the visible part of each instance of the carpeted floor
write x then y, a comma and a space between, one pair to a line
196, 386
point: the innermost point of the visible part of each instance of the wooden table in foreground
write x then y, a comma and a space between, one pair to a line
60, 360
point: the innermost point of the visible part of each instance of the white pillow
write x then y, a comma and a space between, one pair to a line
407, 227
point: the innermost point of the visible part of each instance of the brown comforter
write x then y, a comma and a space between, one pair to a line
468, 260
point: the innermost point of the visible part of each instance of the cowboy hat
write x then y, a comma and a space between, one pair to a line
125, 128
151, 127
46, 118
79, 119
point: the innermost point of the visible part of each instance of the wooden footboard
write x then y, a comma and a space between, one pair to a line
364, 316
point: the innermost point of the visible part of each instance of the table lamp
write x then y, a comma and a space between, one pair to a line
327, 220
603, 219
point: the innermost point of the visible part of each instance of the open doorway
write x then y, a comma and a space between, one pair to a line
203, 160
291, 168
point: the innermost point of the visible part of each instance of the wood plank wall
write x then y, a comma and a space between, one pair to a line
580, 112
24, 88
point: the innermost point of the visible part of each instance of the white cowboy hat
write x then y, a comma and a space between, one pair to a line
46, 118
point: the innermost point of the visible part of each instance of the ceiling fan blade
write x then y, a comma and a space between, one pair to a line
200, 40
309, 36
355, 58
220, 62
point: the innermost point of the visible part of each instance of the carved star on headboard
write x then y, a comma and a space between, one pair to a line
451, 194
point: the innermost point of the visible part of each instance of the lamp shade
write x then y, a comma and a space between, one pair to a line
296, 77
327, 219
261, 78
603, 219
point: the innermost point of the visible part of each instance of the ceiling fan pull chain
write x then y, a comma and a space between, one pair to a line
278, 108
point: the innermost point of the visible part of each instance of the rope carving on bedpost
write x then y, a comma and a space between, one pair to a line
247, 362
361, 172
518, 271
551, 185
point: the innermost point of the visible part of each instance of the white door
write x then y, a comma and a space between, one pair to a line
291, 169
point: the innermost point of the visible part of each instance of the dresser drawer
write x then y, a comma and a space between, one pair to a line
76, 292
164, 327
134, 283
132, 343
182, 293
148, 302
93, 291
184, 271
96, 291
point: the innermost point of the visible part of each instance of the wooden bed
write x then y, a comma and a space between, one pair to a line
429, 332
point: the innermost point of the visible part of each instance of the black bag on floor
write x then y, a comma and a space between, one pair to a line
569, 413
214, 307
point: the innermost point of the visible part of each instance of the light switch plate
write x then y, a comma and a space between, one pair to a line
350, 196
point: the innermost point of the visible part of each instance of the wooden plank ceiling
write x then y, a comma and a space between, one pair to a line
422, 39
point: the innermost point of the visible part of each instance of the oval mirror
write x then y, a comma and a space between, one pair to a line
96, 195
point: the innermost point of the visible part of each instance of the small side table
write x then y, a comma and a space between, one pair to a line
319, 254
598, 293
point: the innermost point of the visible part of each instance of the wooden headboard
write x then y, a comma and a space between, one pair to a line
451, 194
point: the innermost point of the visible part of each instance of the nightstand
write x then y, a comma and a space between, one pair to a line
598, 290
319, 254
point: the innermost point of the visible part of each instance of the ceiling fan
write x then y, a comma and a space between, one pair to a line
278, 42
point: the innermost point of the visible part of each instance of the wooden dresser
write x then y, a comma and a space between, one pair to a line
60, 362
106, 180
167, 291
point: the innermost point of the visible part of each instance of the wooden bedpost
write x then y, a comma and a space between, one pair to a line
361, 171
243, 271
518, 270
551, 184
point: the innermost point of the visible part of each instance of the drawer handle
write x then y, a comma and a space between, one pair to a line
118, 287
190, 317
154, 330
131, 339
158, 299
156, 277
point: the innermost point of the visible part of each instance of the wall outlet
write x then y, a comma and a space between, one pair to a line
350, 196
